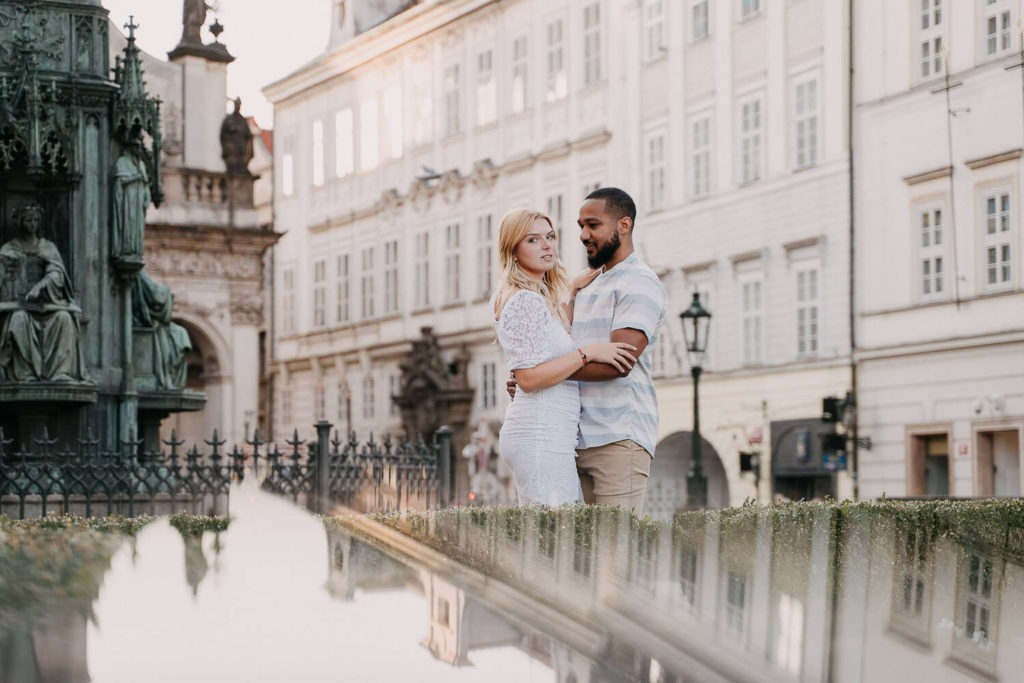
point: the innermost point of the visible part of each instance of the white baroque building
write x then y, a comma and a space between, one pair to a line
398, 150
941, 309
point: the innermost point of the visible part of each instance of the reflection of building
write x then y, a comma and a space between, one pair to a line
206, 240
941, 304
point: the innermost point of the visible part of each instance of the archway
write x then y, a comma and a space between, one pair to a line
666, 487
203, 375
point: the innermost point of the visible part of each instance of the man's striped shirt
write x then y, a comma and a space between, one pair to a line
629, 295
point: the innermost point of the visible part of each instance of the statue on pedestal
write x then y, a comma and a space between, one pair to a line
192, 18
151, 308
39, 334
236, 141
131, 197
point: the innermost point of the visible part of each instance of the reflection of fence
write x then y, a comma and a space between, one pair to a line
372, 476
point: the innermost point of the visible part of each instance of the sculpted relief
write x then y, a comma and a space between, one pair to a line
39, 332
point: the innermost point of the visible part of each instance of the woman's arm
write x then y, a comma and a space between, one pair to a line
549, 373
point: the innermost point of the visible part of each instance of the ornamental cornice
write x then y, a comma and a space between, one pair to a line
200, 262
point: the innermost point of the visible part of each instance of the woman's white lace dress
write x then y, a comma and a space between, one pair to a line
538, 438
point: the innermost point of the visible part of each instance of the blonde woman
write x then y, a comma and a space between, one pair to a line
531, 317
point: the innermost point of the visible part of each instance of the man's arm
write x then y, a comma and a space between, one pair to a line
600, 372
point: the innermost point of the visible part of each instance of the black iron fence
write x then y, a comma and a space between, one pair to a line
370, 476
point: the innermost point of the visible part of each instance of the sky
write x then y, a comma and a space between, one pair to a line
268, 42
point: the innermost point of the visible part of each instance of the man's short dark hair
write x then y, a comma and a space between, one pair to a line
617, 202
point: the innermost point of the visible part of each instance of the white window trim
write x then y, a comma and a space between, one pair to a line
747, 16
921, 252
519, 92
556, 82
755, 135
422, 269
751, 277
1003, 34
453, 261
928, 36
655, 16
803, 79
392, 301
692, 36
452, 86
1011, 239
596, 31
486, 88
656, 146
707, 149
343, 288
809, 269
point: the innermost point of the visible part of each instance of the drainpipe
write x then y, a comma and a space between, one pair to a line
851, 258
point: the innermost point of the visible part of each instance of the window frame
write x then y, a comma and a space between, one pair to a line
930, 253
556, 73
1004, 241
808, 116
654, 30
593, 71
700, 155
749, 173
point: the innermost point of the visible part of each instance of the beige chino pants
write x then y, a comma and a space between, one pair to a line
614, 474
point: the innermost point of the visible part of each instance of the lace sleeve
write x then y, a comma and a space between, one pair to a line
524, 321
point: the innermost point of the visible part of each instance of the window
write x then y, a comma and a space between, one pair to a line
452, 262
520, 97
343, 152
393, 121
556, 202
805, 122
484, 256
423, 128
558, 84
318, 403
699, 24
911, 589
931, 251
343, 406
488, 386
369, 137
750, 320
368, 397
342, 304
286, 408
391, 276
750, 140
654, 29
928, 462
686, 560
486, 92
807, 311
287, 168
930, 38
453, 124
366, 287
422, 270
318, 153
394, 389
749, 8
591, 43
979, 578
583, 544
997, 26
735, 603
288, 300
788, 633
319, 292
997, 244
700, 156
656, 170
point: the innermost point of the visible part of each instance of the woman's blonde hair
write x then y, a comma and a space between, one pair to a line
515, 226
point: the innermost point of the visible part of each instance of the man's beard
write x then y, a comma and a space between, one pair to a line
605, 252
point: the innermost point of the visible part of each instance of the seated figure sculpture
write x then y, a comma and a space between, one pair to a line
151, 308
39, 333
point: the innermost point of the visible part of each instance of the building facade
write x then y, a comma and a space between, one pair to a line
941, 309
399, 149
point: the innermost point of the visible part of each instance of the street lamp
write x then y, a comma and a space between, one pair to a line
696, 325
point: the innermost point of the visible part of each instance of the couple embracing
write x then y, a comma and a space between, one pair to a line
584, 417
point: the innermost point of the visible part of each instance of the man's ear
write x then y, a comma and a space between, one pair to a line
625, 225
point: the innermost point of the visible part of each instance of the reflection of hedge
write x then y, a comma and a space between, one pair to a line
53, 566
993, 525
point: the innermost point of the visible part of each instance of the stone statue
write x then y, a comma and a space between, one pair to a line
39, 334
193, 16
236, 141
131, 198
151, 308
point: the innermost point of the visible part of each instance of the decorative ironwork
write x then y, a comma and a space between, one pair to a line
369, 477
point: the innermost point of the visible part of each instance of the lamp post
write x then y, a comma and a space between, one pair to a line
696, 325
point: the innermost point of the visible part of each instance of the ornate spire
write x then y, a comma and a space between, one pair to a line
135, 112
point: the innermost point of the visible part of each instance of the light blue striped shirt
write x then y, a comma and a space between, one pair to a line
629, 295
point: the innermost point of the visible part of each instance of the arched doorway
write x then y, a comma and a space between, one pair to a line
204, 375
666, 487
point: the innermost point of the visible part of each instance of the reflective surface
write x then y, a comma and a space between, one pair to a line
798, 593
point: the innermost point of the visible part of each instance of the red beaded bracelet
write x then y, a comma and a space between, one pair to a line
583, 356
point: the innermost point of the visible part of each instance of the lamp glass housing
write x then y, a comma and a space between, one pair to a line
696, 327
